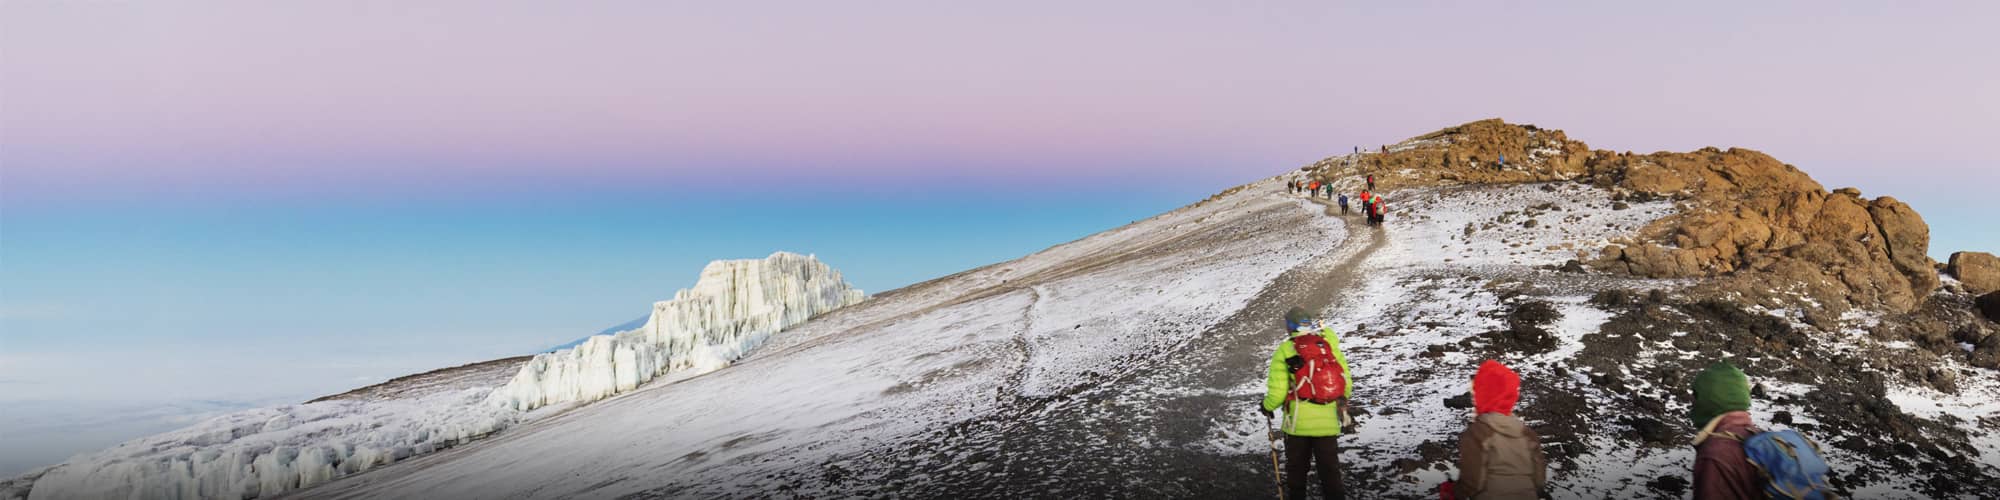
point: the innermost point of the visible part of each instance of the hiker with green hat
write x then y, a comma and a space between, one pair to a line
1735, 459
1308, 378
1722, 409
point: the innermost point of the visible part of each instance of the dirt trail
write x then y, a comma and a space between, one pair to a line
1144, 429
1148, 423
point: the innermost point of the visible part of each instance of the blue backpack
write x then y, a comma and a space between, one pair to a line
1792, 465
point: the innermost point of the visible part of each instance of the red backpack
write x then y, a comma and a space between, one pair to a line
1318, 378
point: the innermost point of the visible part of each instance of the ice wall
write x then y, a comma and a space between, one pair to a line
735, 306
266, 451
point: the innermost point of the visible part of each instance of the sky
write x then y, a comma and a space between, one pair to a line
217, 205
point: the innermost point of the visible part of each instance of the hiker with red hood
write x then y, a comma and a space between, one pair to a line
1498, 455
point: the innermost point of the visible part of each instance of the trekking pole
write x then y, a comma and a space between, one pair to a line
1272, 435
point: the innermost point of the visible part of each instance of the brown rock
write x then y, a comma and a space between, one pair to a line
1978, 271
1764, 225
1654, 180
1989, 305
1908, 241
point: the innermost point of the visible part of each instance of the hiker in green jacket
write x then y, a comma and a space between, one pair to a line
1309, 379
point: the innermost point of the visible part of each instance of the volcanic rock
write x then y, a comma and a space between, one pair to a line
1978, 271
1774, 235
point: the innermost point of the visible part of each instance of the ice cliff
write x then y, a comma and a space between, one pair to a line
734, 307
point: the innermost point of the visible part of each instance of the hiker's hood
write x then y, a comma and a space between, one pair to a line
1495, 389
1720, 389
1505, 425
1735, 422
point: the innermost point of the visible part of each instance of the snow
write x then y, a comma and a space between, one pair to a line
1429, 286
936, 360
1977, 400
934, 356
732, 309
266, 451
263, 452
1578, 319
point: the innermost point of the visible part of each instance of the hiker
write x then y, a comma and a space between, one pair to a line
1371, 182
1309, 379
1499, 457
1343, 204
1729, 446
1502, 165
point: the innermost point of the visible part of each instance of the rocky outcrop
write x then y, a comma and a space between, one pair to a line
1765, 229
1979, 272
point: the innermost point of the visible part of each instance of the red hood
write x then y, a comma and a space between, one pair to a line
1495, 389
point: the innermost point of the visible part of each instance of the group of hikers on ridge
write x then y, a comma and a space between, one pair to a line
1499, 455
1372, 205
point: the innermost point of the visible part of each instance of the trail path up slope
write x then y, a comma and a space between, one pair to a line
1046, 374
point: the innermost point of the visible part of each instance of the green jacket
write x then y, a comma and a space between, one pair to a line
1303, 418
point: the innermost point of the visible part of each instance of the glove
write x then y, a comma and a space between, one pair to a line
1260, 409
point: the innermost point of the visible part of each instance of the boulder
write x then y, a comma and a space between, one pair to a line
1908, 241
1989, 305
1978, 271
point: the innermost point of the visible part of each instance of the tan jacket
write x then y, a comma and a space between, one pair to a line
1499, 457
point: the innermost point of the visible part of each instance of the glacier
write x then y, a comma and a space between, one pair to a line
734, 307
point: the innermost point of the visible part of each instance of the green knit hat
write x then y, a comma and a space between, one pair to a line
1717, 390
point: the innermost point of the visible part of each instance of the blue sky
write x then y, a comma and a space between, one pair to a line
430, 282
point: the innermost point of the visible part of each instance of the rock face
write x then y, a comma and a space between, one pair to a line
1764, 228
1978, 271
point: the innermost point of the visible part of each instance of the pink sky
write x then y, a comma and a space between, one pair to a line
256, 95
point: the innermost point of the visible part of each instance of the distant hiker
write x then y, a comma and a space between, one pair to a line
1371, 182
1734, 459
1292, 187
1329, 190
1499, 457
1502, 165
1375, 208
1343, 204
1308, 377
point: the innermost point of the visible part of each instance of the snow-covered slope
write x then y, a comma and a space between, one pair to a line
822, 407
263, 452
1127, 364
